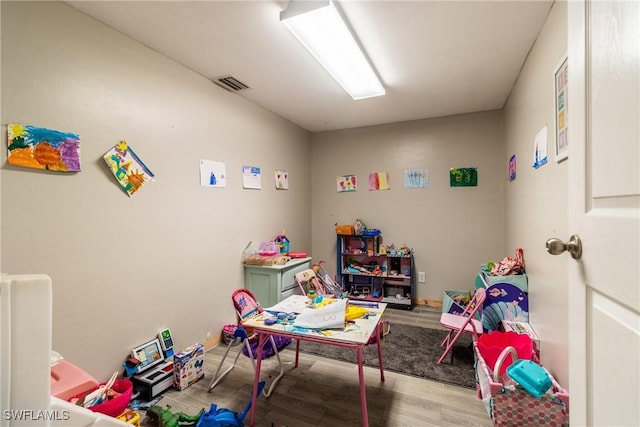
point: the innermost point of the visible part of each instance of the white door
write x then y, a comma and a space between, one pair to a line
604, 206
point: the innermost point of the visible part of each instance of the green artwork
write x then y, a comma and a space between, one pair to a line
463, 177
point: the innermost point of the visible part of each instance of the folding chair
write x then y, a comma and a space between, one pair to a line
457, 324
246, 307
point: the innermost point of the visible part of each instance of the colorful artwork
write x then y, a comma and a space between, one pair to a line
41, 148
213, 174
127, 167
540, 148
346, 183
463, 177
251, 177
416, 178
512, 168
379, 181
561, 85
282, 180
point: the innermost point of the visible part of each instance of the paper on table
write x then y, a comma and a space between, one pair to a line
293, 304
328, 316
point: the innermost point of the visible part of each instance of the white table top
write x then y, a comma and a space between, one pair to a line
357, 333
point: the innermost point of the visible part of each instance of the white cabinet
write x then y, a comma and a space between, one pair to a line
271, 284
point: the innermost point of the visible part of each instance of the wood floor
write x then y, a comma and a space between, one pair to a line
324, 392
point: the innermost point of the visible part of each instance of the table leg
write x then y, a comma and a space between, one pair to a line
363, 393
262, 339
380, 331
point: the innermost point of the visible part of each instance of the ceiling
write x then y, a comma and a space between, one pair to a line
435, 58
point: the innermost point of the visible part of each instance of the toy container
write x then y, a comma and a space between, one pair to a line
509, 404
283, 243
531, 377
188, 366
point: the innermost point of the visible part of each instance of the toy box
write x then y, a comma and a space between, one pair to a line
344, 229
450, 301
188, 366
518, 280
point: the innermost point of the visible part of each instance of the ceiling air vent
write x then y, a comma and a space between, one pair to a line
230, 83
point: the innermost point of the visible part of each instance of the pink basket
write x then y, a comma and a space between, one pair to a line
491, 345
115, 406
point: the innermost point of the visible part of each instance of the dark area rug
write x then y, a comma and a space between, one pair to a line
410, 350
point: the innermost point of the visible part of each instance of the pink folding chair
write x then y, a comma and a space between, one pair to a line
246, 307
458, 324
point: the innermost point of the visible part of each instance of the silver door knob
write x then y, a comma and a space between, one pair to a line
573, 246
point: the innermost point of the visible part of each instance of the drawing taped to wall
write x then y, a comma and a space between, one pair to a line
40, 148
512, 168
213, 174
540, 148
463, 177
379, 181
346, 183
416, 178
251, 177
560, 75
129, 170
282, 180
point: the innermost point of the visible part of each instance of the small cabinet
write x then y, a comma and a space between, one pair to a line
271, 284
366, 271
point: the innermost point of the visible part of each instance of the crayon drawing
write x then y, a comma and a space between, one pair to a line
379, 181
346, 183
213, 174
416, 178
282, 180
251, 177
463, 177
41, 148
127, 167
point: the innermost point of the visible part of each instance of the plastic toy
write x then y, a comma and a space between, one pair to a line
225, 417
165, 418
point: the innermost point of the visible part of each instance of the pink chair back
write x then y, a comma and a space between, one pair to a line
245, 304
476, 303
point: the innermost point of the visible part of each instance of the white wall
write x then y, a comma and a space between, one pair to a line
452, 230
536, 201
169, 256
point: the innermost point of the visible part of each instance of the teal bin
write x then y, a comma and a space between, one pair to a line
485, 280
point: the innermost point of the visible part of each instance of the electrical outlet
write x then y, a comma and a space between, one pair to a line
421, 277
208, 334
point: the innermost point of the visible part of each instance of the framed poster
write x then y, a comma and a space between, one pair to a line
560, 75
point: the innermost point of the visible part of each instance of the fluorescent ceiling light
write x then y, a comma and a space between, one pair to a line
319, 27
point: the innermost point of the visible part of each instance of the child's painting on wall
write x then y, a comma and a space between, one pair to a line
127, 167
40, 148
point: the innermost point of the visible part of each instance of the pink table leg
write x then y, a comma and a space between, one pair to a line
379, 332
262, 339
297, 351
363, 393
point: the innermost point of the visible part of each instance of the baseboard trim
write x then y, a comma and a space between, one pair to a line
430, 302
211, 342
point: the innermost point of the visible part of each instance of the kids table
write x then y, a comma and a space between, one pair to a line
363, 332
